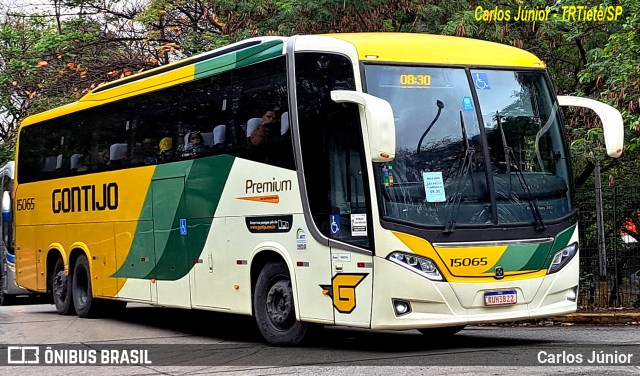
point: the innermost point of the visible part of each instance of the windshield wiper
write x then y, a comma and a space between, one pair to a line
510, 161
461, 182
440, 107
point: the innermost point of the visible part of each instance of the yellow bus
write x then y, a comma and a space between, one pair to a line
378, 180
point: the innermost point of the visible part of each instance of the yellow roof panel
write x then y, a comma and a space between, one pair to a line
437, 49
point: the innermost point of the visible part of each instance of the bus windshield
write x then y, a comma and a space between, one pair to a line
473, 147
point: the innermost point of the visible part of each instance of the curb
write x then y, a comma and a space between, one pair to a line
630, 318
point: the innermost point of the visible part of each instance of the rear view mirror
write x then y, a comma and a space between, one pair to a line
610, 117
380, 125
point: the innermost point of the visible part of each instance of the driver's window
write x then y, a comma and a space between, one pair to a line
347, 172
332, 149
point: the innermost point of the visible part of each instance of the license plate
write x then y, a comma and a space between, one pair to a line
500, 297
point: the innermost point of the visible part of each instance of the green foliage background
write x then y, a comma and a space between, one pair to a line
53, 54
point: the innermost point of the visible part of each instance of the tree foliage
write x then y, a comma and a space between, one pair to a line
54, 54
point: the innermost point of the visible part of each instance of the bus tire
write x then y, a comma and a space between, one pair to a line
85, 304
274, 307
442, 332
61, 289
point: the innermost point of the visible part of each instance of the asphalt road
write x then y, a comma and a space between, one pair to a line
163, 341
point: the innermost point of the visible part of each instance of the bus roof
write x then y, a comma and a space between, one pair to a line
387, 47
437, 49
235, 55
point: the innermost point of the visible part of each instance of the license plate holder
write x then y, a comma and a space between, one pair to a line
502, 297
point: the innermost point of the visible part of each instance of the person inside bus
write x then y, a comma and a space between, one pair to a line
196, 145
261, 129
165, 148
146, 154
97, 158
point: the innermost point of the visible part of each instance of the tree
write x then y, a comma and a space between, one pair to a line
52, 58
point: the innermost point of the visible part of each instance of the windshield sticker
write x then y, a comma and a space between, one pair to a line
434, 186
358, 225
387, 175
481, 80
467, 103
334, 220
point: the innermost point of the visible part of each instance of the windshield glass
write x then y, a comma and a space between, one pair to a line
451, 170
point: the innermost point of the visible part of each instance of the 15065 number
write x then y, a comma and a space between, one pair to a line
25, 204
468, 261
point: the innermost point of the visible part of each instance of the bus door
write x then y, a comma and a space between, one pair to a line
170, 230
350, 233
335, 176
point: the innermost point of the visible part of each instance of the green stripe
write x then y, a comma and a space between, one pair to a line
238, 59
141, 258
188, 190
536, 262
562, 240
517, 257
532, 257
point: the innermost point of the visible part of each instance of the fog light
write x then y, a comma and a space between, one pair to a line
401, 307
572, 294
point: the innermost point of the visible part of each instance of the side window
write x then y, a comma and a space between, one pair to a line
42, 150
110, 142
212, 115
152, 135
30, 162
204, 117
77, 144
260, 113
332, 149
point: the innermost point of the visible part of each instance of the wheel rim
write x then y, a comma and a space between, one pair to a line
280, 305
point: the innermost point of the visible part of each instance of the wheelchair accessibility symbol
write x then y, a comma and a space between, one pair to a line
183, 226
481, 80
334, 222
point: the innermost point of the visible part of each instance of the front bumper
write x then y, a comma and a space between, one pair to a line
436, 304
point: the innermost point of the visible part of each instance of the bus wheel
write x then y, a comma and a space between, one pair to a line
61, 289
274, 307
441, 332
86, 305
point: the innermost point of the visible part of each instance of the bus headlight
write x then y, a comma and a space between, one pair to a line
562, 257
421, 265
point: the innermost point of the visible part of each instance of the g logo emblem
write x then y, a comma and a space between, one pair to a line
499, 273
343, 291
